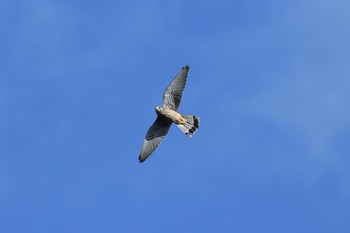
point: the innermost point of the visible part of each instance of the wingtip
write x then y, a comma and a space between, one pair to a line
141, 160
187, 67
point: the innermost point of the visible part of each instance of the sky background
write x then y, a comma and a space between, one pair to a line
79, 81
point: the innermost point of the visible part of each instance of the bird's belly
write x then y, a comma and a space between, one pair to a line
173, 116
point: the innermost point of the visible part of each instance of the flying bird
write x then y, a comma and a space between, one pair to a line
167, 114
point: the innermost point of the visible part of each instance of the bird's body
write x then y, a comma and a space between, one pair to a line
167, 114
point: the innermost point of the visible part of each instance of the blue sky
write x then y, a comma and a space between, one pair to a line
79, 81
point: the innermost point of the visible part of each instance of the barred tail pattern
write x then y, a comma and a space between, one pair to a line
191, 125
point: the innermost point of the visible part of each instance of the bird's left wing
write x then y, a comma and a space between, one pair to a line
155, 134
173, 93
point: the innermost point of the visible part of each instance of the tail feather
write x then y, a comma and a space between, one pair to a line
191, 125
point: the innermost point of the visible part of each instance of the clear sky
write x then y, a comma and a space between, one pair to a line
79, 81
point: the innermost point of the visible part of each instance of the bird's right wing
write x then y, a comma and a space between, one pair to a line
155, 134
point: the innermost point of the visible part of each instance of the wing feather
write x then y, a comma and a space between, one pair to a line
173, 93
155, 134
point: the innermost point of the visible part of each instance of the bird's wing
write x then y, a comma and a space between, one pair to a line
173, 93
155, 134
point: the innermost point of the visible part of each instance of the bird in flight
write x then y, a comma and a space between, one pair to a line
167, 114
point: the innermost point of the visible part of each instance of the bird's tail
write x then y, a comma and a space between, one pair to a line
191, 125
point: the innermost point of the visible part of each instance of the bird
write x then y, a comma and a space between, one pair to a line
168, 114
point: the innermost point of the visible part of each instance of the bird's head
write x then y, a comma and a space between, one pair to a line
159, 109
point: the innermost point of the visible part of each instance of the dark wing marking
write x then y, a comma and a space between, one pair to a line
155, 134
173, 93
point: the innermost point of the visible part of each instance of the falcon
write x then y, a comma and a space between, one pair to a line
168, 114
